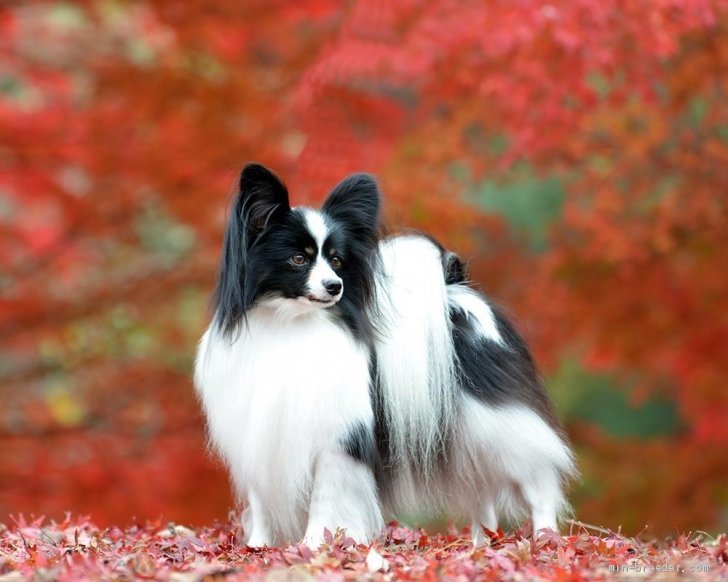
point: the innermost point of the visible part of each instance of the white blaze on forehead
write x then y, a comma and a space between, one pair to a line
316, 225
321, 271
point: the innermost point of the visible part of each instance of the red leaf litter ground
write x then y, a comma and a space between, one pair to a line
77, 550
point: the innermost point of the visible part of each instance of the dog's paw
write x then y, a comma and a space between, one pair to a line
313, 542
258, 542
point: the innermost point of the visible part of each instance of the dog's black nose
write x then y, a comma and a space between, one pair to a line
333, 287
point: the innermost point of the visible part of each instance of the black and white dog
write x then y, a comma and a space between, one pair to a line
346, 378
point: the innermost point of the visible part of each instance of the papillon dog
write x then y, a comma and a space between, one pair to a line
347, 377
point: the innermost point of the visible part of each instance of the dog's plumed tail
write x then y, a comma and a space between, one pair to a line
416, 376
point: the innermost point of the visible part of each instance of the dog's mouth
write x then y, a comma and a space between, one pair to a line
315, 299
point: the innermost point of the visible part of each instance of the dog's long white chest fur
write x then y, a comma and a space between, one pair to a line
280, 399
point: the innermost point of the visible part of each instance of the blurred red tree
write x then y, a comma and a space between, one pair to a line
122, 126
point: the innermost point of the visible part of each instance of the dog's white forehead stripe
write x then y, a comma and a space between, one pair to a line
316, 225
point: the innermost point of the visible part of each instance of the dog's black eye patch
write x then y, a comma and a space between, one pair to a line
335, 244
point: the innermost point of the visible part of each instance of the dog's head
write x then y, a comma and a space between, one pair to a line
297, 260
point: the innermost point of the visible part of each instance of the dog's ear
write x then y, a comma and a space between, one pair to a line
262, 199
355, 203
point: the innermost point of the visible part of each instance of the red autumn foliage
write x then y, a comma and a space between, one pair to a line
76, 549
122, 126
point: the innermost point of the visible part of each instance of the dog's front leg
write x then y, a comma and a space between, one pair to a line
344, 495
256, 523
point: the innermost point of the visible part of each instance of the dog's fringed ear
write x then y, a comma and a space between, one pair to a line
355, 202
262, 199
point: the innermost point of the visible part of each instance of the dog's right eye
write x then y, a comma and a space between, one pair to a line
299, 259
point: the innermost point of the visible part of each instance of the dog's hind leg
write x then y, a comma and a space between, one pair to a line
544, 498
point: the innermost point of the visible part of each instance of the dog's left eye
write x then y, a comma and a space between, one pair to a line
336, 263
299, 259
